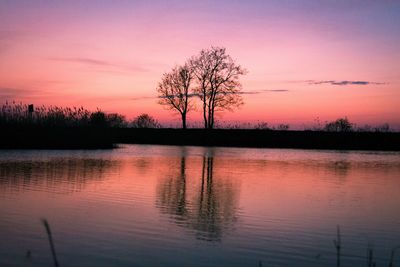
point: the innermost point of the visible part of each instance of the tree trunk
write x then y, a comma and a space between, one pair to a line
212, 119
183, 120
205, 114
211, 114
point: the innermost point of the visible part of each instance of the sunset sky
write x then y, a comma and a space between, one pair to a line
305, 59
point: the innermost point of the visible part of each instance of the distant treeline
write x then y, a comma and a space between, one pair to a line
22, 115
26, 126
260, 138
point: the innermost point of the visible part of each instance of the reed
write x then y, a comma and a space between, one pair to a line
21, 115
50, 237
391, 262
370, 257
338, 245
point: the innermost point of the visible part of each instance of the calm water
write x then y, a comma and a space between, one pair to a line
194, 206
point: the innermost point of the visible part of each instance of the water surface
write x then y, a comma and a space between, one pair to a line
145, 205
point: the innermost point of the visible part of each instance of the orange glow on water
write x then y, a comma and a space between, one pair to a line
241, 203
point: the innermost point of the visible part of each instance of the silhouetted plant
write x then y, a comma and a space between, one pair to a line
50, 237
391, 262
218, 85
283, 127
233, 125
338, 245
317, 125
370, 256
365, 128
145, 121
17, 114
98, 119
339, 125
384, 128
173, 91
116, 120
262, 126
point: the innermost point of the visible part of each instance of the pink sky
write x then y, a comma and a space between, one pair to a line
299, 54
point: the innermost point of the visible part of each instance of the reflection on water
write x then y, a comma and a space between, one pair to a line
196, 206
57, 175
208, 207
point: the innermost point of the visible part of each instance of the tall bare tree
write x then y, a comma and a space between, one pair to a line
173, 91
219, 87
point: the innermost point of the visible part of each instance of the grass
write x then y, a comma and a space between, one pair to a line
22, 115
50, 237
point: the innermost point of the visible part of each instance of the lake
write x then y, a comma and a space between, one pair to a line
146, 205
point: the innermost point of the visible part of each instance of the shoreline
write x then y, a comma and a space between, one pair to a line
98, 138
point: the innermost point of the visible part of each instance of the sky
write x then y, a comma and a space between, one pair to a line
306, 60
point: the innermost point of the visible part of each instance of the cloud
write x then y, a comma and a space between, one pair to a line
143, 98
101, 65
276, 90
239, 93
173, 96
8, 93
342, 83
249, 93
83, 60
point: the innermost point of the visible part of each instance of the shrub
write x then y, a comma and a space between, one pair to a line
145, 121
283, 127
339, 125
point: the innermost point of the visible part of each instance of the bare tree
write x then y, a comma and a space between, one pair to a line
173, 91
218, 87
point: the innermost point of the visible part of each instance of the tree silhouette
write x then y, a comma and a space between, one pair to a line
173, 91
145, 121
339, 125
218, 87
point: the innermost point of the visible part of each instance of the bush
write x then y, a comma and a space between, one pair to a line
339, 125
145, 121
116, 120
98, 119
262, 126
283, 127
384, 128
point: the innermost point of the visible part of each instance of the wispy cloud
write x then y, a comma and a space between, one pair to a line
276, 90
239, 93
143, 98
101, 65
249, 92
341, 83
89, 61
8, 93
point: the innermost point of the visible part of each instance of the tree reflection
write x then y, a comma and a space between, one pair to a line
340, 168
206, 205
172, 194
58, 175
